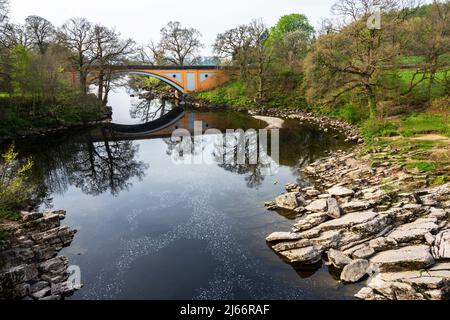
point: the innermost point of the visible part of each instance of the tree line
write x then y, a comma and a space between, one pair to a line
344, 62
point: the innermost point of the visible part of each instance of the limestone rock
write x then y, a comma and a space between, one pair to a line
282, 236
309, 255
381, 244
356, 205
310, 221
407, 258
414, 231
317, 206
355, 271
441, 249
340, 191
364, 253
338, 259
287, 201
334, 210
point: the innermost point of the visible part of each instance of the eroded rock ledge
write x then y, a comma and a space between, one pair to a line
368, 229
30, 267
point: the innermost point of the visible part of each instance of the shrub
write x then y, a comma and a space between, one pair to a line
15, 189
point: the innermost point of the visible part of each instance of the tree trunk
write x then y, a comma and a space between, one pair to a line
372, 102
101, 79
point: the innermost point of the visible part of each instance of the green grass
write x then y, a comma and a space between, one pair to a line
422, 166
423, 123
234, 94
419, 93
412, 60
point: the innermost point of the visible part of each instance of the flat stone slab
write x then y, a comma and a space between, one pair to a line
317, 206
349, 220
414, 231
407, 258
340, 191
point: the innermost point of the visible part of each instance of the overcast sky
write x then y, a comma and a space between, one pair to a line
142, 19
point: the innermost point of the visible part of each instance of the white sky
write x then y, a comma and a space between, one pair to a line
142, 19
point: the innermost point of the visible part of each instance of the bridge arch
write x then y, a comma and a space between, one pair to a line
171, 83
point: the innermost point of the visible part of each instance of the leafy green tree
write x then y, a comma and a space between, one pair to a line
292, 23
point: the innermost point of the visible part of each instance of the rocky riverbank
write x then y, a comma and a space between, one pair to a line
323, 122
30, 267
357, 218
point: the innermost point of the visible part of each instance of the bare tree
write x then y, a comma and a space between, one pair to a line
76, 34
4, 10
259, 33
40, 32
108, 49
235, 44
12, 34
180, 44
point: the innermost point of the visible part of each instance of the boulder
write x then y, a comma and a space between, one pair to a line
334, 210
406, 258
317, 206
338, 259
309, 255
287, 201
355, 271
339, 191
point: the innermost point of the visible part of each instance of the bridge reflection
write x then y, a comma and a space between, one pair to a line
163, 127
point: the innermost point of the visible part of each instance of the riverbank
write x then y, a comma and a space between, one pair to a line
30, 266
370, 219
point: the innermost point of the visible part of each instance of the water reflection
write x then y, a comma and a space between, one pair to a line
95, 167
134, 244
105, 166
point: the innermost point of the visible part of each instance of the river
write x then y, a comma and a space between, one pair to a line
150, 228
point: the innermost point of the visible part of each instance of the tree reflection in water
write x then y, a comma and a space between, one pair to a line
106, 166
148, 110
242, 159
95, 166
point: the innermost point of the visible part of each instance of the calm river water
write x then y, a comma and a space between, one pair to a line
149, 228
